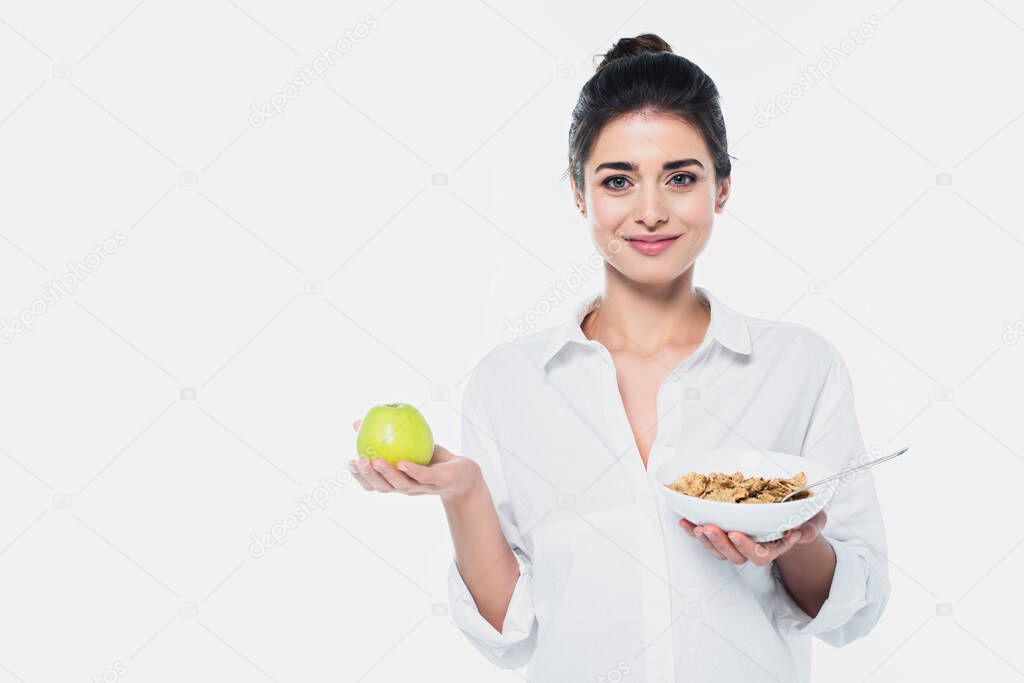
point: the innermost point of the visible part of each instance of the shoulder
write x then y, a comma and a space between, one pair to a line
507, 360
512, 368
522, 353
797, 341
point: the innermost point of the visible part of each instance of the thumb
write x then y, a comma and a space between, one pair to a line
441, 454
815, 524
811, 529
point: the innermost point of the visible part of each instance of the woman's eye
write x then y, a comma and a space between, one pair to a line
619, 182
615, 179
690, 178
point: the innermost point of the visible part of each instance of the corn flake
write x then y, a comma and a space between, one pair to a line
737, 488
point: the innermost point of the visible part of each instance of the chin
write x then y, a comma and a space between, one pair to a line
653, 274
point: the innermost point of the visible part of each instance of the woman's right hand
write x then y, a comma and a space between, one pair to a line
450, 476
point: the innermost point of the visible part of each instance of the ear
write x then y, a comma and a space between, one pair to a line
577, 197
724, 188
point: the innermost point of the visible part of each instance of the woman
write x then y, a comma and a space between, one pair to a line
566, 560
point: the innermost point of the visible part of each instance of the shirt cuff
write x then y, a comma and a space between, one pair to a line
846, 596
519, 618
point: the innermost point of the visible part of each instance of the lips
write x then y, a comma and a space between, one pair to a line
650, 238
651, 245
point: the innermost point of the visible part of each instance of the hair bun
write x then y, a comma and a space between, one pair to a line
631, 47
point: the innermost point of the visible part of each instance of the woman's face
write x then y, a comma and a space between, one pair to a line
650, 176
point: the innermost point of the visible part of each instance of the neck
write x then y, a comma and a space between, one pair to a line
644, 318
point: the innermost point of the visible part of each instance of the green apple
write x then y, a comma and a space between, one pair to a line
395, 431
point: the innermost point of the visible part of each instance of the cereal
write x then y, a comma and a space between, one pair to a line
736, 488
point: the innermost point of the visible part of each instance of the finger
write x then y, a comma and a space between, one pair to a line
692, 529
378, 482
353, 468
758, 553
707, 544
362, 481
688, 526
791, 539
397, 479
723, 544
355, 425
806, 533
812, 527
421, 473
700, 532
819, 519
784, 544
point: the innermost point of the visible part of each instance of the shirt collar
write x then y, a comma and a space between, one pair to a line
727, 327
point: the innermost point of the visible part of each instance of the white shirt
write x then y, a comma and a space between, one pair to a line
610, 585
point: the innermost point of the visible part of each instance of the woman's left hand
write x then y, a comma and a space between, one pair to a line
738, 548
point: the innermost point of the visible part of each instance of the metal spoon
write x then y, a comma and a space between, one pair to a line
845, 472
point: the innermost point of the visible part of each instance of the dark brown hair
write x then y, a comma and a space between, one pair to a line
643, 74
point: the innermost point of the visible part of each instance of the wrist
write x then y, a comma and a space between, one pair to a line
473, 491
796, 557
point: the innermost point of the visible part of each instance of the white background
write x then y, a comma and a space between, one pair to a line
129, 506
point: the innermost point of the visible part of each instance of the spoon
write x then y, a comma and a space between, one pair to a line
845, 472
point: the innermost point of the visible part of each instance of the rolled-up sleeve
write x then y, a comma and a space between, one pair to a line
860, 586
514, 645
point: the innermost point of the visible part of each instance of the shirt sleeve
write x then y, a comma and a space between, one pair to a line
860, 585
514, 645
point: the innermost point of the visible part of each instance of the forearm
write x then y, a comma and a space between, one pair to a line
482, 554
807, 572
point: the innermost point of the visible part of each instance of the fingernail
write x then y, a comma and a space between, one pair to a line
734, 537
797, 535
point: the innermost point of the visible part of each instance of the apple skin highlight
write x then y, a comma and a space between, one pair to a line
395, 431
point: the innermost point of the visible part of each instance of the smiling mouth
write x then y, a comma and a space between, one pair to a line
651, 246
651, 240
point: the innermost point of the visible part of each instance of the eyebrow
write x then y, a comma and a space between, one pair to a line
667, 166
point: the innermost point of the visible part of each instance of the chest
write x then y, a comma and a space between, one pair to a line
583, 435
639, 379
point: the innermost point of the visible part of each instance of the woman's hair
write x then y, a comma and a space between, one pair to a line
643, 74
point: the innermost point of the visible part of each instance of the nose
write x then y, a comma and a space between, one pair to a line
650, 212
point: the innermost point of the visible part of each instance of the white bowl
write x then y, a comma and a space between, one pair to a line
763, 522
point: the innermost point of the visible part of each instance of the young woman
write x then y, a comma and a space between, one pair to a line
566, 559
